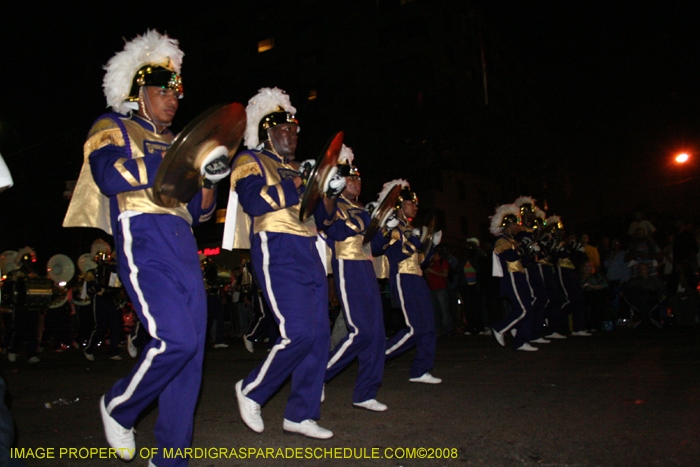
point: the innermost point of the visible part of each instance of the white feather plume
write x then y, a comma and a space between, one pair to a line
100, 246
524, 200
540, 213
388, 186
266, 101
346, 155
496, 227
151, 48
551, 220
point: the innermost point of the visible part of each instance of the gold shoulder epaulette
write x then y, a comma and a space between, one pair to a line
104, 132
502, 244
243, 166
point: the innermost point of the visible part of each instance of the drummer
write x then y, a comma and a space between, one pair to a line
286, 263
156, 250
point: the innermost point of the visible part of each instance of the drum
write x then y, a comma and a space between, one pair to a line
38, 292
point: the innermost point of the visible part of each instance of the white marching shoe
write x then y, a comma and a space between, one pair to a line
555, 335
118, 437
540, 340
372, 404
426, 378
499, 337
250, 410
528, 348
308, 428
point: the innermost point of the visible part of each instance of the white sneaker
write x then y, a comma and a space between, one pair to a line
426, 378
373, 404
527, 347
12, 357
250, 410
499, 337
308, 428
248, 345
541, 340
581, 333
34, 359
150, 463
221, 346
116, 357
131, 348
555, 335
118, 437
89, 356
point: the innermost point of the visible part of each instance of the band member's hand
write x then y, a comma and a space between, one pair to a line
215, 167
370, 207
416, 232
392, 222
437, 237
305, 170
335, 185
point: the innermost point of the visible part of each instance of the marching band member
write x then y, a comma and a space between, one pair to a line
505, 224
528, 213
25, 318
573, 292
401, 243
357, 287
286, 262
157, 252
103, 296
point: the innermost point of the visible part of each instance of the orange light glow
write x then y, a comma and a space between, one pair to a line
682, 158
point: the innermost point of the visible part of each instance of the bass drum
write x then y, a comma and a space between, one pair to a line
34, 292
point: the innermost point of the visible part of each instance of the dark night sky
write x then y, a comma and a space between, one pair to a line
610, 91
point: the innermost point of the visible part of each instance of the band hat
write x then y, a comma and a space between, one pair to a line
525, 200
151, 59
345, 160
504, 213
388, 186
268, 108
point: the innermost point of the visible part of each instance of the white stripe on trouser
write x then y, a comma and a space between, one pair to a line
275, 309
532, 292
262, 315
405, 315
153, 351
346, 306
520, 301
566, 293
539, 266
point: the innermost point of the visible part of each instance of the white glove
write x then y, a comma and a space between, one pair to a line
335, 184
305, 170
215, 166
391, 223
437, 237
416, 232
370, 207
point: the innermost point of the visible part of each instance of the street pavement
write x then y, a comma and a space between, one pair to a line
623, 398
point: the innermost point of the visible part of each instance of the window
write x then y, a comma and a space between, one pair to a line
266, 44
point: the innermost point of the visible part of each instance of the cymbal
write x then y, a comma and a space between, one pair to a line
381, 214
319, 176
179, 176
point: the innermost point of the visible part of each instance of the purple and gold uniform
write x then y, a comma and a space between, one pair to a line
358, 290
410, 289
293, 281
159, 266
515, 286
573, 292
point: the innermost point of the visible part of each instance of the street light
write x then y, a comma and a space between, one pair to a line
681, 158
